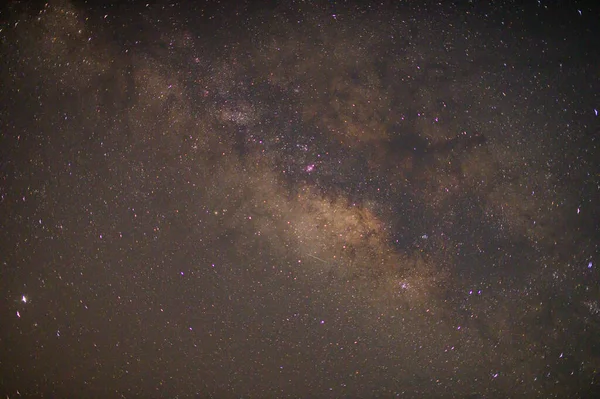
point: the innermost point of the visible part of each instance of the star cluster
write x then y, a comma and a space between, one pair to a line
305, 199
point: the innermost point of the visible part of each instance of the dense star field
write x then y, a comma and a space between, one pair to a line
302, 199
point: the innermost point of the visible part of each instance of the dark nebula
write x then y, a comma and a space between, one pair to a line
300, 199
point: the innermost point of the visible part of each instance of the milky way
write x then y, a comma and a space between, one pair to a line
306, 200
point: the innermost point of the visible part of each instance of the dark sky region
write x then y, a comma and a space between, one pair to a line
300, 200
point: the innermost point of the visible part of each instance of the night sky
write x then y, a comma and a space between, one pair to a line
300, 199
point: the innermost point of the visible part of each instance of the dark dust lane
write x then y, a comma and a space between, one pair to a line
304, 199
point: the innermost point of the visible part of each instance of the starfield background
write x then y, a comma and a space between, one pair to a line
300, 199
